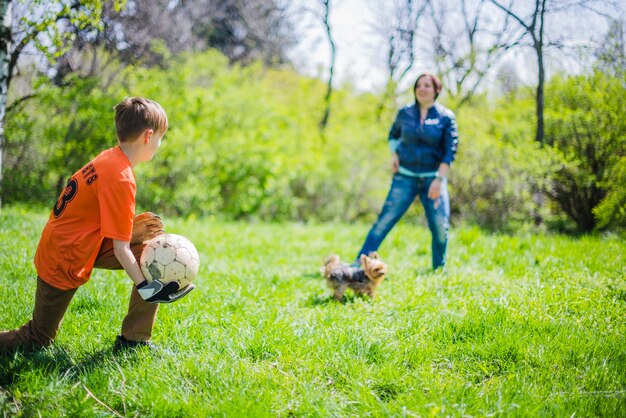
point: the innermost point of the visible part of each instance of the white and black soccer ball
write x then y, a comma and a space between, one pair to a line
168, 258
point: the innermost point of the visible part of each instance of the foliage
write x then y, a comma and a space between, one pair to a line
243, 31
612, 210
41, 23
586, 132
499, 167
54, 135
244, 143
519, 325
611, 54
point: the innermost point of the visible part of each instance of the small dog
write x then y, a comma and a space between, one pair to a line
363, 280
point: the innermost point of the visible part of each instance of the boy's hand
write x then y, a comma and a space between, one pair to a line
146, 226
157, 292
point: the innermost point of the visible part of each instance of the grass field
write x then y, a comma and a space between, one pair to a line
518, 325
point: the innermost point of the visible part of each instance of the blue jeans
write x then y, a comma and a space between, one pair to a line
403, 191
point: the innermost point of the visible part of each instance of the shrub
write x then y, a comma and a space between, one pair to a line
586, 132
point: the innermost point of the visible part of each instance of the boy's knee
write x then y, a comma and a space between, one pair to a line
41, 340
24, 338
34, 337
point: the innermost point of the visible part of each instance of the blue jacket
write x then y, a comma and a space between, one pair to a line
421, 149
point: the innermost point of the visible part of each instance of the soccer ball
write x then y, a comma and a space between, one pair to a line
170, 258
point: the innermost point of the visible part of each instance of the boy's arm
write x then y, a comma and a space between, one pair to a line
155, 291
122, 251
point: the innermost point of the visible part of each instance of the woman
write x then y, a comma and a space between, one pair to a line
423, 141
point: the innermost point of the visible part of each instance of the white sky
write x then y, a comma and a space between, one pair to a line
356, 52
359, 59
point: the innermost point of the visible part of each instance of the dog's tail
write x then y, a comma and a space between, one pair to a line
331, 262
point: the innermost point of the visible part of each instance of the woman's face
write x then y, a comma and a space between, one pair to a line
425, 90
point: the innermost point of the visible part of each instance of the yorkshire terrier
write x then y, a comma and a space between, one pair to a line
362, 280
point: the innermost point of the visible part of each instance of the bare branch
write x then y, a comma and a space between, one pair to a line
18, 102
508, 11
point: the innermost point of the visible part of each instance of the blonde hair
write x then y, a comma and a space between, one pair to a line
134, 115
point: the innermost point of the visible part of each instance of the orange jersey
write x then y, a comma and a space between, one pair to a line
98, 202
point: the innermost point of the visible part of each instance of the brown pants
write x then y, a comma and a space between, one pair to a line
51, 304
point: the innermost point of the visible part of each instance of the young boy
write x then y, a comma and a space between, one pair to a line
93, 225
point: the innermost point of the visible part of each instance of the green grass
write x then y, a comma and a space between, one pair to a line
518, 325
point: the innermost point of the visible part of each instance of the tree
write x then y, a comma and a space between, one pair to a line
535, 29
611, 54
533, 25
586, 134
307, 18
148, 31
611, 211
46, 25
331, 67
460, 40
467, 44
5, 40
397, 24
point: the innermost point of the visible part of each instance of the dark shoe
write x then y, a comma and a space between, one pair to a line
121, 343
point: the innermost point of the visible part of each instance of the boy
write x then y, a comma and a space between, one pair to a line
93, 225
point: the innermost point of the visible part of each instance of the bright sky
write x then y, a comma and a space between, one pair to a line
356, 52
361, 60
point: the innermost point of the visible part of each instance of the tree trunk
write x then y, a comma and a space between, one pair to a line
540, 72
329, 88
540, 101
5, 56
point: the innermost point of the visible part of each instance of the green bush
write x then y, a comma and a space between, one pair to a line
499, 168
244, 143
53, 135
612, 209
586, 132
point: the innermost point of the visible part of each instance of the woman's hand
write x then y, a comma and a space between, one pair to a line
434, 191
395, 163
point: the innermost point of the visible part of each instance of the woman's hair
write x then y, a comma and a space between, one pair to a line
434, 79
133, 115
